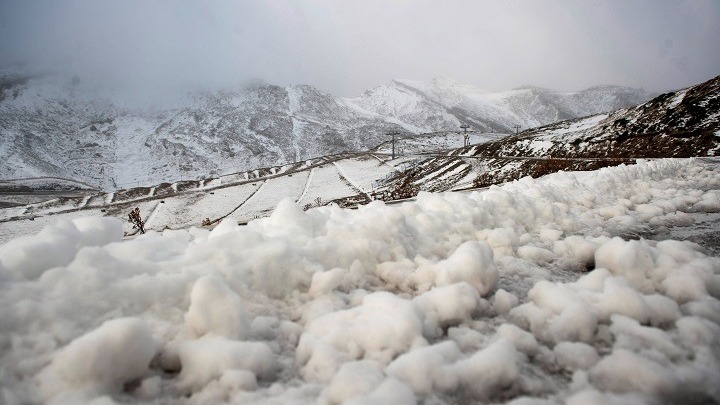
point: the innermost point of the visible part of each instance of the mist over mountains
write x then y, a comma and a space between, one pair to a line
52, 126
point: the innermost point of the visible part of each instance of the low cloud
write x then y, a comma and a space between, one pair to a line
345, 47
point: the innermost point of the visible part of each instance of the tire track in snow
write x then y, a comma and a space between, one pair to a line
307, 185
153, 214
243, 203
349, 180
84, 201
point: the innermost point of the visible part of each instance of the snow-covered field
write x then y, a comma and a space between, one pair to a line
325, 184
270, 193
522, 293
244, 196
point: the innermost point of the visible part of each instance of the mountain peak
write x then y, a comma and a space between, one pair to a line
441, 83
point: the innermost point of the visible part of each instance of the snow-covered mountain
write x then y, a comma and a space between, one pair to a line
589, 287
440, 102
685, 123
677, 124
50, 127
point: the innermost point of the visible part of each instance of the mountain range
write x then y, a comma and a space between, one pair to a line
678, 124
56, 127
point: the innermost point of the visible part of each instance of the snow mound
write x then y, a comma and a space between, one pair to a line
215, 308
212, 357
101, 361
473, 263
379, 329
56, 245
539, 290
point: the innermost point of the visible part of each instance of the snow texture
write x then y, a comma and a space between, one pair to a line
530, 292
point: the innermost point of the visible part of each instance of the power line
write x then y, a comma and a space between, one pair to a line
466, 138
393, 134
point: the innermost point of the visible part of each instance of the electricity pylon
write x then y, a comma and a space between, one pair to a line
466, 136
393, 133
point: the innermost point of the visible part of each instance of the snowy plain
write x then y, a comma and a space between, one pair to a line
244, 196
116, 144
530, 292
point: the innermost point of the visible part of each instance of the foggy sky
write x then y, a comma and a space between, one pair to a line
348, 46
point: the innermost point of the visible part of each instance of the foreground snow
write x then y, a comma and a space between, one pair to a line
452, 298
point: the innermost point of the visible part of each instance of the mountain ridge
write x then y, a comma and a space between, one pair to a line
52, 128
681, 124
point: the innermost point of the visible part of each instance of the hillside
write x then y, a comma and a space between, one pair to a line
679, 124
429, 103
55, 127
346, 179
684, 123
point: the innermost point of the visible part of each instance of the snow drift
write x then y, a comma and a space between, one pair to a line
522, 292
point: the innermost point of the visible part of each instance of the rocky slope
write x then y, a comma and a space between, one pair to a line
50, 127
684, 123
677, 124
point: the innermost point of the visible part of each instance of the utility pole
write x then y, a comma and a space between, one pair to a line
466, 137
517, 129
393, 133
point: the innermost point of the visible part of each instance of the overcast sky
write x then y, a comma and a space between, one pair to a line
347, 46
